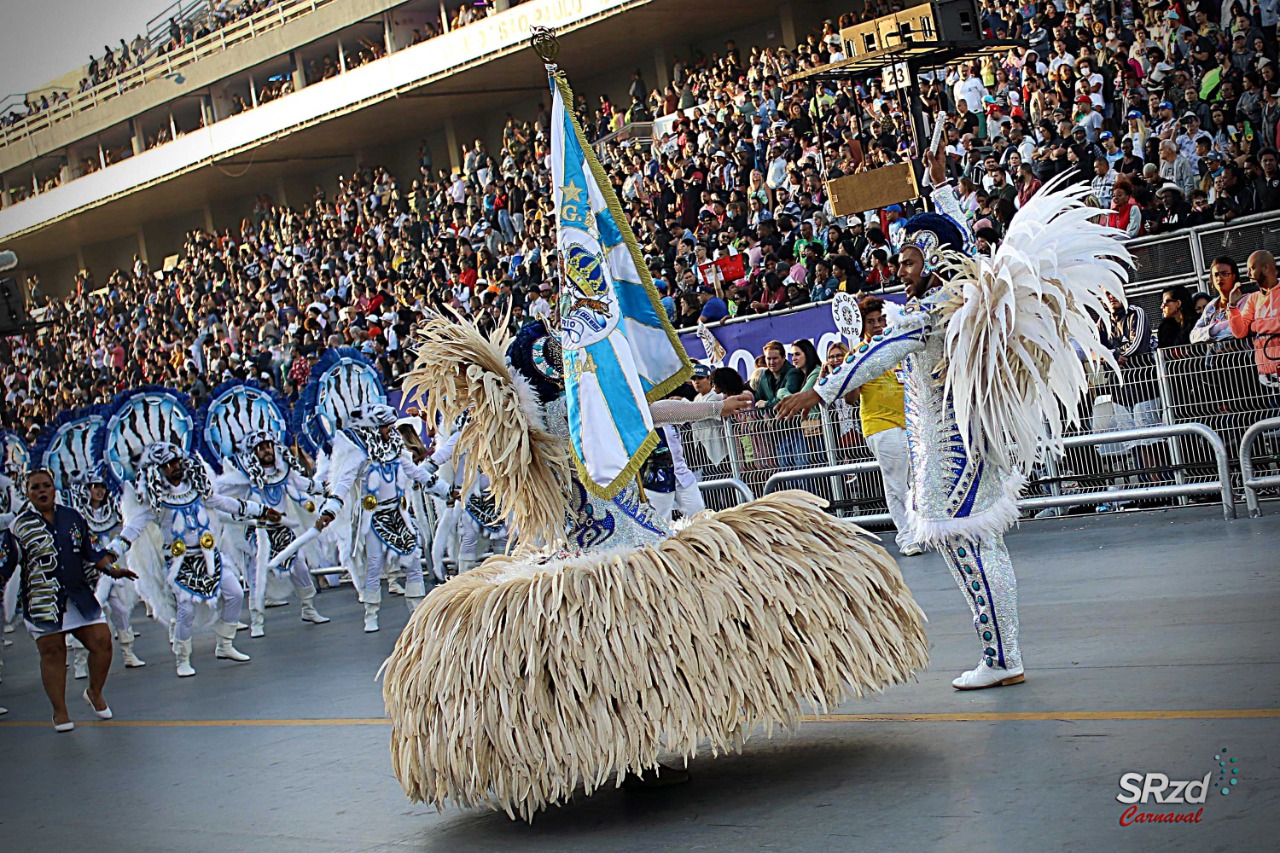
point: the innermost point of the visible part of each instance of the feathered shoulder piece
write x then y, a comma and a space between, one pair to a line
459, 371
1020, 323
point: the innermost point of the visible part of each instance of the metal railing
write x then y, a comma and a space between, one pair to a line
1141, 436
162, 65
1221, 486
1253, 483
711, 489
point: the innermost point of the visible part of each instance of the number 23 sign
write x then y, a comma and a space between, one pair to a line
895, 77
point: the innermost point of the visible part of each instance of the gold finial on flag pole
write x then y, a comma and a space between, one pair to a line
544, 43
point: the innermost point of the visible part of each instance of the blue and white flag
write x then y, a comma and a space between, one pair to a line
620, 351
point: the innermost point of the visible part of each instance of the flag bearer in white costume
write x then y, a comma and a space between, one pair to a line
988, 349
265, 472
368, 476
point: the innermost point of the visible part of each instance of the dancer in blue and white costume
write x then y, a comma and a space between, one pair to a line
986, 344
265, 471
369, 473
176, 496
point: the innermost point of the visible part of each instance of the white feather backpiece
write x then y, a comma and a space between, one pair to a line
1013, 372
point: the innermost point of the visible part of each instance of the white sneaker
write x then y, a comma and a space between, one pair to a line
394, 587
988, 676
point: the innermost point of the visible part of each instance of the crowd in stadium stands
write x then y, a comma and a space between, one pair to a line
1171, 118
116, 61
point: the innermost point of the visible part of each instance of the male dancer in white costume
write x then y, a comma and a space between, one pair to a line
175, 494
265, 471
368, 476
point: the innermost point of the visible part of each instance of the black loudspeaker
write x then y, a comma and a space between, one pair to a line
14, 319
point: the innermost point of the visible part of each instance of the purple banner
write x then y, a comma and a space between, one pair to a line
744, 341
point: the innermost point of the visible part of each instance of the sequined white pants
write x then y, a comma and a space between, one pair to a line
982, 569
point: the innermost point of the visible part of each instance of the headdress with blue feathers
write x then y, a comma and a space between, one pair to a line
135, 420
66, 446
535, 355
234, 410
932, 234
341, 380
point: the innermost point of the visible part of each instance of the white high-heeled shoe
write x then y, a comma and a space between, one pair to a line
104, 714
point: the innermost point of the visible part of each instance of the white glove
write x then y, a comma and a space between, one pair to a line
118, 547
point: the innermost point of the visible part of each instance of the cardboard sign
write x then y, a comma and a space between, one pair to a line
873, 189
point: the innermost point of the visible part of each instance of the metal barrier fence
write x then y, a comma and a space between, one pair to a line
1145, 453
1270, 428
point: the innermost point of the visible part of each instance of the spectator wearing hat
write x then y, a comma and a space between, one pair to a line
1173, 209
713, 307
1189, 131
1104, 178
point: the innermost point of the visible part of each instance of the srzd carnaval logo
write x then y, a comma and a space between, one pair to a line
1140, 789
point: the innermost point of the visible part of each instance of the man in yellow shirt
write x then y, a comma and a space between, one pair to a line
884, 427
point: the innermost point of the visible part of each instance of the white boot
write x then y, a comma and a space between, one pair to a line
394, 587
414, 592
257, 623
125, 639
182, 653
372, 602
79, 661
309, 612
226, 632
465, 565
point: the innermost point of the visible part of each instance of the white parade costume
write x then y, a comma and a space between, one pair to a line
193, 551
368, 477
990, 364
284, 488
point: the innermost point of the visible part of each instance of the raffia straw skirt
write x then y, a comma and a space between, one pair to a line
520, 680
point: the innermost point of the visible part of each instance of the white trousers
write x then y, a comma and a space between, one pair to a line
299, 571
378, 555
889, 447
442, 544
230, 593
688, 499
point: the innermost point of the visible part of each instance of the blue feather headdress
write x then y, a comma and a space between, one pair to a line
235, 408
323, 391
135, 420
66, 445
535, 355
933, 234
